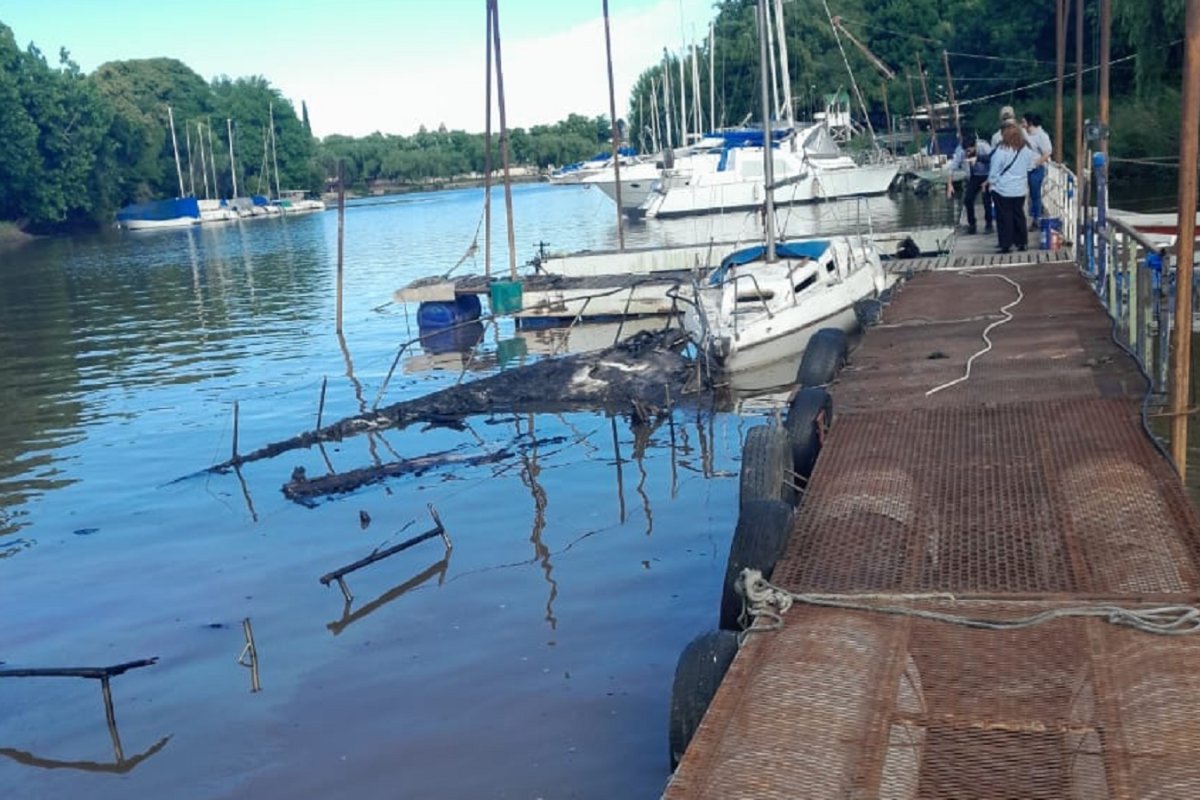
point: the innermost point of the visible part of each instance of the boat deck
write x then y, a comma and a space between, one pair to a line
1028, 487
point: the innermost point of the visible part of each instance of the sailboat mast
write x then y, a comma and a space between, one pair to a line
212, 161
771, 60
187, 129
232, 165
654, 113
666, 87
487, 155
787, 114
274, 155
768, 154
203, 162
712, 84
512, 243
683, 126
616, 133
175, 147
697, 106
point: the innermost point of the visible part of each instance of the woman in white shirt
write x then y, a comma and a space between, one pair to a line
1008, 179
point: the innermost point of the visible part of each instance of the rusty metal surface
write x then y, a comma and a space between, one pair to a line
1030, 486
843, 704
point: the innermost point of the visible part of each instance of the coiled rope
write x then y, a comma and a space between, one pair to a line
762, 600
988, 342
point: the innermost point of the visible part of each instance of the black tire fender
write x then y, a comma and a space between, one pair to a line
824, 355
762, 533
809, 416
766, 460
701, 667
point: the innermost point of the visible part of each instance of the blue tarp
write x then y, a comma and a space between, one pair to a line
158, 210
811, 248
748, 137
259, 200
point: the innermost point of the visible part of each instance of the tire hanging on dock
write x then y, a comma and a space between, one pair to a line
809, 416
823, 358
762, 532
766, 461
701, 667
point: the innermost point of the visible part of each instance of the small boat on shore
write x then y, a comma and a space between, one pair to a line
749, 312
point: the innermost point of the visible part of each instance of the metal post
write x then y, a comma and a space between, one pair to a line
1189, 130
1105, 57
487, 156
1079, 162
1100, 231
1131, 269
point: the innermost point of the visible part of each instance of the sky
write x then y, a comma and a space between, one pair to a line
382, 65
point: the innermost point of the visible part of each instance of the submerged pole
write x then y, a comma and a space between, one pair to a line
768, 154
1189, 130
512, 245
616, 132
341, 175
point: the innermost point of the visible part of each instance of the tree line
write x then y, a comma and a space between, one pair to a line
75, 147
994, 59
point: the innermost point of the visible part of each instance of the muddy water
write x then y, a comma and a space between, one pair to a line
533, 659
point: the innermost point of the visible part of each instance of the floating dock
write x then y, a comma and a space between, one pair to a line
1030, 486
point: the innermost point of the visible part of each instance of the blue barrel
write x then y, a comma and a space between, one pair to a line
445, 314
1048, 226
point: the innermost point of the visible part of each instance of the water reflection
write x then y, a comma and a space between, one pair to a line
437, 569
120, 763
541, 553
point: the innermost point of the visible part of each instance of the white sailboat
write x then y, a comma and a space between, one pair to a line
762, 304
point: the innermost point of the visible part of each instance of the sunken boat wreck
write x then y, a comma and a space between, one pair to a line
644, 376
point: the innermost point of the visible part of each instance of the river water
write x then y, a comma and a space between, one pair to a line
534, 659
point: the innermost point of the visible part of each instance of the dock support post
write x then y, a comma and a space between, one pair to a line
1131, 268
1189, 130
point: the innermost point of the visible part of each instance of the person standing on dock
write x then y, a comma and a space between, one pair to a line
1039, 142
975, 155
1009, 182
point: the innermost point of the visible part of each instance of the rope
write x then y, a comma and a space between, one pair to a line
472, 248
988, 346
763, 600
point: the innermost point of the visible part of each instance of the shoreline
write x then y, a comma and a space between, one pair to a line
385, 190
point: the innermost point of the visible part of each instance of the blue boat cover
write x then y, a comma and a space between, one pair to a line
157, 210
810, 248
259, 200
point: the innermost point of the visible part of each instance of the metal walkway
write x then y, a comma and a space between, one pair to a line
1027, 487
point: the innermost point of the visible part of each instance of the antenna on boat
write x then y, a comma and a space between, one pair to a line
768, 154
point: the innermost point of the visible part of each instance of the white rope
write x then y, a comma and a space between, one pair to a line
762, 600
988, 342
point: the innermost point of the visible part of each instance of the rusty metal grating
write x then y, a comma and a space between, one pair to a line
1057, 497
1030, 486
845, 704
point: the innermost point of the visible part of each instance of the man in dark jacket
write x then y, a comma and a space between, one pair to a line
974, 155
